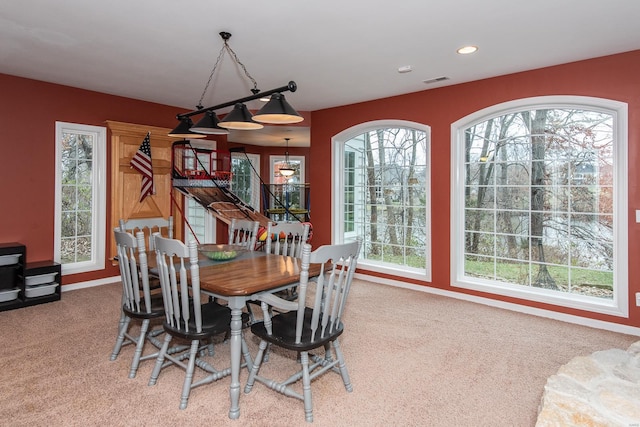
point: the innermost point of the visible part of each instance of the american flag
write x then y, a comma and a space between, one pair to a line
141, 162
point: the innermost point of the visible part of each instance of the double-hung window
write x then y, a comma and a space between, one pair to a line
80, 197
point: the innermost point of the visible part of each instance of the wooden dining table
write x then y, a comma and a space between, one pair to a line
238, 281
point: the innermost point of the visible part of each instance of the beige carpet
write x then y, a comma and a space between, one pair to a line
415, 359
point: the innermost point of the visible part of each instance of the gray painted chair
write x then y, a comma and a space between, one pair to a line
243, 232
287, 238
187, 318
137, 301
149, 226
302, 326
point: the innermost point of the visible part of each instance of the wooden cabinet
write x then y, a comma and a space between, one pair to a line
125, 181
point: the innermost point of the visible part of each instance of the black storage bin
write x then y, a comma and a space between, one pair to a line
8, 276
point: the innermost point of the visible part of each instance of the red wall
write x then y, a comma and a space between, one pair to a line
28, 112
614, 77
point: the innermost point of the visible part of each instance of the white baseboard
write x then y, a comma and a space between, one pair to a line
90, 283
569, 318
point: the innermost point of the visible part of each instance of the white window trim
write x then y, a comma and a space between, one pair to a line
619, 306
337, 196
99, 192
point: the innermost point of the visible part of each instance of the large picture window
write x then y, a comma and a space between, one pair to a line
381, 193
80, 217
539, 202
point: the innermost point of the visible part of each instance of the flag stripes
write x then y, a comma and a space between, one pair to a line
141, 162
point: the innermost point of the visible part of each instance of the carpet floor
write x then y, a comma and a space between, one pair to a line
415, 359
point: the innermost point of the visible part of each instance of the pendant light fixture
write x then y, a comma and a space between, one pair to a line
287, 171
183, 130
276, 111
239, 119
208, 124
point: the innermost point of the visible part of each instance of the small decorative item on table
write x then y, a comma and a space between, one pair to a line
220, 252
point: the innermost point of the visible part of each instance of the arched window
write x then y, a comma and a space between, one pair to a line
381, 192
539, 202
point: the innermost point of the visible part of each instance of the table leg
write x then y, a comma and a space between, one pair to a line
236, 304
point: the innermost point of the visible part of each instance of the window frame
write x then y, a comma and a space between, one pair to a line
619, 305
256, 186
337, 197
98, 203
277, 158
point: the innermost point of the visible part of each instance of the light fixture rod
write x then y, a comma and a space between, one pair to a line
291, 87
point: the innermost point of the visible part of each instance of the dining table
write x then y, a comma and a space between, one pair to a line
239, 280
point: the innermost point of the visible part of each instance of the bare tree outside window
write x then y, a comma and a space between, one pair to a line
539, 200
385, 194
77, 171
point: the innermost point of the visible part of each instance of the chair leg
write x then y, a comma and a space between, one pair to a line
246, 355
188, 378
124, 325
139, 347
306, 387
342, 366
256, 367
160, 360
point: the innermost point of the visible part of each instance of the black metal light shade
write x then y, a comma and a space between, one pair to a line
208, 124
277, 111
239, 119
183, 130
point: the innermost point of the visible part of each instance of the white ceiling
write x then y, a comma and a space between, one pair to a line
337, 51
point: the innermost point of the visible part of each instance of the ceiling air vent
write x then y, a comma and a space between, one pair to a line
435, 80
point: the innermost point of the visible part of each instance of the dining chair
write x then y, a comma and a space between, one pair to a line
283, 238
312, 322
137, 301
148, 226
287, 238
187, 317
243, 232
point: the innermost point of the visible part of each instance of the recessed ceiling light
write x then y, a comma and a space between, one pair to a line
465, 50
